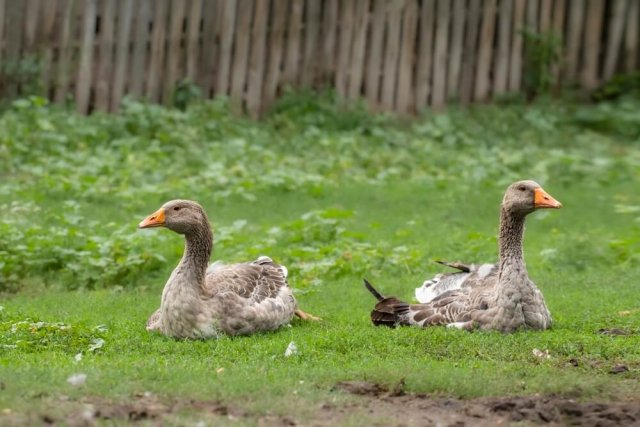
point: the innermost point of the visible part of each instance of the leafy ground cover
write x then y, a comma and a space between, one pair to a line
335, 195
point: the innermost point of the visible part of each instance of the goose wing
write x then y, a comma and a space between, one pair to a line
253, 281
470, 275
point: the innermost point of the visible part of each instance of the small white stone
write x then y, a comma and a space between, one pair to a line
292, 349
77, 358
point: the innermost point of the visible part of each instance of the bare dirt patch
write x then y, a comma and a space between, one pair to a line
369, 404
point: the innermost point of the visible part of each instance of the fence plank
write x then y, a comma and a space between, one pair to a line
193, 35
210, 34
595, 12
240, 54
574, 39
559, 11
358, 49
276, 49
481, 91
374, 57
257, 56
391, 55
3, 14
175, 53
344, 47
139, 55
312, 28
632, 36
46, 41
64, 56
501, 66
614, 37
31, 25
545, 16
292, 57
470, 48
329, 31
405, 99
157, 54
125, 12
532, 15
105, 55
83, 88
440, 55
226, 46
15, 15
515, 57
455, 54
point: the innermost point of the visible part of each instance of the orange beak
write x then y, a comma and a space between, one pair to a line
156, 219
542, 199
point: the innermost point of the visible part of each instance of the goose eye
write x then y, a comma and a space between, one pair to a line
177, 208
521, 188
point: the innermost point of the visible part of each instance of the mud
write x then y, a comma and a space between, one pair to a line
366, 404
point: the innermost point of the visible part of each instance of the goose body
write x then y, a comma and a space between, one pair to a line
201, 300
488, 296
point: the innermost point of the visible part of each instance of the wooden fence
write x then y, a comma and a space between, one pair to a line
399, 55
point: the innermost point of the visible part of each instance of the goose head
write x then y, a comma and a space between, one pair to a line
180, 216
524, 197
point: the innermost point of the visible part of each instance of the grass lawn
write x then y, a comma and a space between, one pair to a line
345, 209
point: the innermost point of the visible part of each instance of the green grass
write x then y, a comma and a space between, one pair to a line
353, 195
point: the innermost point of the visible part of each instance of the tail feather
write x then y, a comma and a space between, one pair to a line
388, 310
373, 291
457, 265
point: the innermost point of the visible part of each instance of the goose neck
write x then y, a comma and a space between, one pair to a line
197, 252
510, 238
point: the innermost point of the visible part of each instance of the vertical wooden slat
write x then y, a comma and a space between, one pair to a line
345, 43
312, 27
125, 12
374, 57
257, 57
485, 51
210, 32
632, 36
85, 73
3, 14
595, 12
139, 56
440, 55
614, 35
545, 15
501, 66
455, 51
558, 29
329, 34
394, 15
240, 54
105, 62
46, 40
574, 39
31, 25
292, 57
425, 53
193, 34
405, 100
515, 60
358, 48
470, 49
64, 55
276, 49
175, 53
532, 15
15, 16
226, 46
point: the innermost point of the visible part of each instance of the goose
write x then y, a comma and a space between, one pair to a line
489, 297
202, 301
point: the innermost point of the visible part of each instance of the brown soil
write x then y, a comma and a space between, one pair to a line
370, 404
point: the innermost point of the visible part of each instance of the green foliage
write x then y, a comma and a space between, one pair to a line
185, 93
542, 50
621, 85
71, 184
